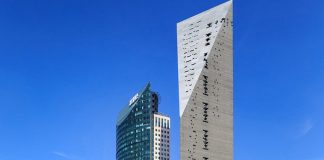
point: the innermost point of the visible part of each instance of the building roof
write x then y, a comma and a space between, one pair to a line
127, 109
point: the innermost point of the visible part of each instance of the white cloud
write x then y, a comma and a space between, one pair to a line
63, 155
306, 127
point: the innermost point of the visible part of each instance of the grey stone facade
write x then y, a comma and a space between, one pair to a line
205, 68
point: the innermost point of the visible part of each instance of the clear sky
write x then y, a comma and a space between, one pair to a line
67, 67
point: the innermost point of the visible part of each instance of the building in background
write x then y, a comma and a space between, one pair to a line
161, 136
141, 132
205, 68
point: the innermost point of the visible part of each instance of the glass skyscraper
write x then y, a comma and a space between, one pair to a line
135, 127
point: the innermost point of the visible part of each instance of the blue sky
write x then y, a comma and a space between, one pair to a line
67, 67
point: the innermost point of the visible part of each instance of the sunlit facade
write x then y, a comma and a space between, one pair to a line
205, 68
161, 136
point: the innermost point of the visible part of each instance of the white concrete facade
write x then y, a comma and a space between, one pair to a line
205, 72
161, 131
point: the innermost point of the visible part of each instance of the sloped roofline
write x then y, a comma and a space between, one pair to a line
202, 13
126, 110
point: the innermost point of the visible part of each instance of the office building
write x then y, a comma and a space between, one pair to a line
205, 73
161, 137
136, 129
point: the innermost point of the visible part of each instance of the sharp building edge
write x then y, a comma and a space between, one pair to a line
205, 68
142, 133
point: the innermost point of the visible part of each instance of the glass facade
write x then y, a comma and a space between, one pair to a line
134, 127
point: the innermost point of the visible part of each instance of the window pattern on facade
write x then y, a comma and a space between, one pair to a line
133, 139
161, 148
205, 85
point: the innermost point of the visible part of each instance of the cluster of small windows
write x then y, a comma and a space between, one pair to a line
207, 86
161, 144
161, 134
161, 122
190, 42
192, 39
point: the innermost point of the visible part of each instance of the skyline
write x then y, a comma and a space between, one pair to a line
67, 66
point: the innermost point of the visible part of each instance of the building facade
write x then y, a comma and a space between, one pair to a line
161, 136
135, 126
205, 72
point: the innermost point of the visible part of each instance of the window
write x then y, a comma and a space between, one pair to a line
209, 25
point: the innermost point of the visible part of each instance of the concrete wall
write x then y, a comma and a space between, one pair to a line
205, 66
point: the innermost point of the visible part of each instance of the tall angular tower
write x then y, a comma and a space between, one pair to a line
205, 68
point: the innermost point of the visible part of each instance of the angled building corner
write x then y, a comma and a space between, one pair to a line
205, 68
141, 131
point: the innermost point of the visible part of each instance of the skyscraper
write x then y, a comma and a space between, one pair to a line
141, 132
205, 68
